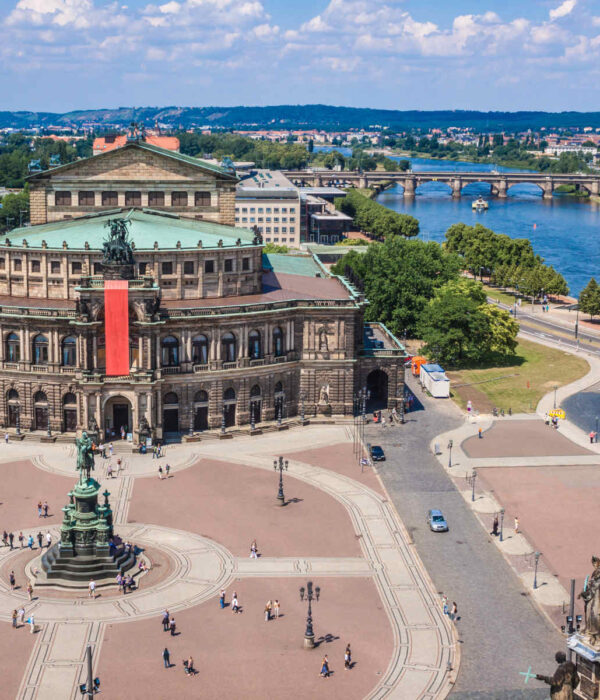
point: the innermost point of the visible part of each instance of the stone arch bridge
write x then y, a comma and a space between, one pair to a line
499, 182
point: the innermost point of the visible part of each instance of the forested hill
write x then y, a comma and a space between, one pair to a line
302, 116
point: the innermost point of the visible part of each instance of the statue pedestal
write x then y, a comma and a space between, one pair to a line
324, 409
587, 660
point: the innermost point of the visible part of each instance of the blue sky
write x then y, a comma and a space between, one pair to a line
58, 55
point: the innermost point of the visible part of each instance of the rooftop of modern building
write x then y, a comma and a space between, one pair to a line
254, 193
146, 227
270, 179
322, 192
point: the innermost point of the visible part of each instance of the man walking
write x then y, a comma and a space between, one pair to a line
30, 590
11, 538
172, 626
48, 540
495, 526
165, 621
166, 658
516, 525
12, 580
45, 509
234, 604
92, 588
40, 539
167, 469
276, 609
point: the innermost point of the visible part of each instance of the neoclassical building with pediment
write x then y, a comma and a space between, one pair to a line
213, 333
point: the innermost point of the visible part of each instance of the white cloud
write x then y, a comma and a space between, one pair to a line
564, 9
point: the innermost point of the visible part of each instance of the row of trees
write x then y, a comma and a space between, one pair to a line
509, 262
589, 299
374, 218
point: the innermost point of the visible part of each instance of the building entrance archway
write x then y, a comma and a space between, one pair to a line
377, 390
117, 415
40, 411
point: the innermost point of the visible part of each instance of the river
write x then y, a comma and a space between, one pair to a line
565, 231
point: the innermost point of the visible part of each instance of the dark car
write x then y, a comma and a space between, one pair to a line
377, 454
436, 521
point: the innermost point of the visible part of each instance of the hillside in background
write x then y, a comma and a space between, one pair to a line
302, 116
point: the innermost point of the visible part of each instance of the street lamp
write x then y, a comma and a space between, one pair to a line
473, 478
281, 465
48, 432
450, 443
302, 398
577, 322
18, 421
501, 523
555, 388
191, 428
252, 426
537, 559
93, 684
309, 635
596, 428
223, 420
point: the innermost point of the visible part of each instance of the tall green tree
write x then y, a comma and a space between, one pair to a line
589, 299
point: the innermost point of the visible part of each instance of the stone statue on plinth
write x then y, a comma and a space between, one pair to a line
565, 678
591, 601
85, 457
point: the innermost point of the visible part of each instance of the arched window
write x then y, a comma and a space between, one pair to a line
229, 394
69, 398
40, 397
170, 351
254, 345
13, 348
200, 350
40, 350
201, 397
255, 391
229, 347
13, 395
278, 342
279, 388
171, 398
69, 351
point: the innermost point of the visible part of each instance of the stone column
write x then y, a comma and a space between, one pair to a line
502, 187
409, 187
99, 417
594, 187
456, 187
548, 188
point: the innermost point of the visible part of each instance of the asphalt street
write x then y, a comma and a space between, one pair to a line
500, 629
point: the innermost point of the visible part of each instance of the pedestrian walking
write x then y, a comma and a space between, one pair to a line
445, 604
21, 539
109, 471
5, 538
30, 590
235, 607
12, 580
276, 609
160, 472
253, 550
348, 658
268, 608
325, 667
453, 612
31, 621
592, 436
165, 621
11, 538
172, 626
167, 469
14, 619
30, 541
222, 599
480, 433
516, 525
188, 666
39, 509
48, 540
469, 406
111, 449
383, 421
153, 451
45, 509
21, 615
92, 588
6, 438
495, 526
166, 658
40, 539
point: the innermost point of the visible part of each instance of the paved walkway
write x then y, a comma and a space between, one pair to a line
424, 642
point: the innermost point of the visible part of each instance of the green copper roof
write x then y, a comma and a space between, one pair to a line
146, 227
182, 158
303, 265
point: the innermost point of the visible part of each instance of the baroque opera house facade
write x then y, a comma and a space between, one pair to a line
133, 302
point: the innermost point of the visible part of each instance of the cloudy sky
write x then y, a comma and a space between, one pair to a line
59, 55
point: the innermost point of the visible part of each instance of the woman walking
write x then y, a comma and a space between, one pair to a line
325, 667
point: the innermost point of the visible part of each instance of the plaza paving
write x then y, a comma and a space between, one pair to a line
338, 529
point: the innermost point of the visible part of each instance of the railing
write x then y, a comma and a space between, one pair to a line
68, 370
170, 370
11, 365
201, 368
279, 358
37, 312
257, 308
39, 368
257, 362
230, 365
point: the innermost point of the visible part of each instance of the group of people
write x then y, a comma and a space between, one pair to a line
42, 509
326, 671
450, 610
164, 474
18, 619
272, 610
552, 421
8, 539
169, 625
393, 417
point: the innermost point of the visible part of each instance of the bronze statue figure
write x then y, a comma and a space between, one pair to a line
85, 456
591, 602
117, 249
565, 678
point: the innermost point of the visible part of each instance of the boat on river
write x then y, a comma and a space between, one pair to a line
480, 204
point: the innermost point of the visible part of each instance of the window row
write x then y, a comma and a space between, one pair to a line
172, 399
132, 199
170, 348
55, 266
39, 350
266, 210
189, 267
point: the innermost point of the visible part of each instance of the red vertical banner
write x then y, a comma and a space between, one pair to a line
116, 327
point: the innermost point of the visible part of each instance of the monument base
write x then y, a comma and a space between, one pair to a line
587, 660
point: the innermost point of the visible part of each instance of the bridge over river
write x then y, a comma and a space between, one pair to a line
499, 182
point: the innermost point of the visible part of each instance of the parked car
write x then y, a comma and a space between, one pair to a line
377, 454
436, 521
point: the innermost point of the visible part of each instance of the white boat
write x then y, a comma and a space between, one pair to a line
480, 204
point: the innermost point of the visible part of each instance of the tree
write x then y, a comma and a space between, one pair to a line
311, 145
14, 209
503, 329
589, 299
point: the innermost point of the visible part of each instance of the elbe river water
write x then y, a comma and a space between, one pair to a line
565, 231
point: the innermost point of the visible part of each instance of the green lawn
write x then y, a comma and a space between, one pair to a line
503, 297
541, 366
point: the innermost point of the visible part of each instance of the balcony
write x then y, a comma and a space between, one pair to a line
380, 342
170, 370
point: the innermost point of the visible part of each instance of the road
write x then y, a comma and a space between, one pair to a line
500, 630
538, 326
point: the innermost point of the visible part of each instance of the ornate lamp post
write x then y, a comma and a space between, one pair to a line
555, 388
473, 479
302, 399
281, 465
537, 559
18, 421
501, 523
191, 428
450, 444
252, 426
309, 635
223, 420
